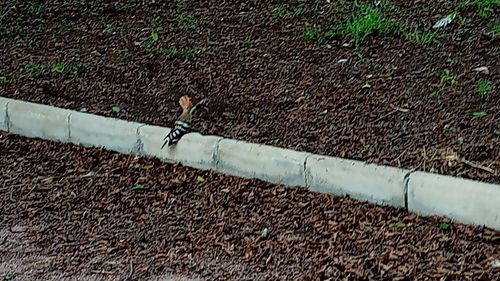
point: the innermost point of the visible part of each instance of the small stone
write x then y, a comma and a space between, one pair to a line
483, 70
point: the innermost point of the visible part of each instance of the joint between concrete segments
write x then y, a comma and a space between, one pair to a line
216, 154
305, 169
69, 126
139, 146
7, 118
406, 180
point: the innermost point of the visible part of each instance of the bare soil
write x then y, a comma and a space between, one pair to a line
265, 82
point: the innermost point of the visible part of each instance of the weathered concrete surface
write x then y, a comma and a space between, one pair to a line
99, 131
3, 114
466, 201
368, 182
37, 120
268, 163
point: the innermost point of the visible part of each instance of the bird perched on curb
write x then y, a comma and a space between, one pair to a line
182, 125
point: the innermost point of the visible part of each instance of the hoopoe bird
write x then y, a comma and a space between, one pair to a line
182, 125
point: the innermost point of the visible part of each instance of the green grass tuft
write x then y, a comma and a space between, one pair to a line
421, 37
484, 86
365, 21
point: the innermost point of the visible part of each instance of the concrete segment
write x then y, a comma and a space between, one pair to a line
192, 150
37, 120
99, 131
3, 114
268, 163
368, 182
464, 200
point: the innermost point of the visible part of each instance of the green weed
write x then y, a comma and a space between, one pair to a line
181, 53
479, 3
484, 7
281, 12
484, 86
32, 69
122, 7
318, 34
278, 13
446, 78
477, 113
496, 28
75, 69
108, 28
247, 41
365, 21
421, 37
35, 10
58, 67
485, 12
185, 21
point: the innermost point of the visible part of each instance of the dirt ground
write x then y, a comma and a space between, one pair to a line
275, 72
74, 213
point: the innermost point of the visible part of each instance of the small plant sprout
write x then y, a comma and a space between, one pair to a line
180, 53
397, 224
154, 36
116, 109
59, 67
484, 86
247, 41
278, 13
185, 21
421, 37
477, 113
444, 226
447, 78
317, 34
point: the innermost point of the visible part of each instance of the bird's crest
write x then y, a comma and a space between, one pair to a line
185, 102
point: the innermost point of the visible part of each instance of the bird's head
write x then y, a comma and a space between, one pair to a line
185, 102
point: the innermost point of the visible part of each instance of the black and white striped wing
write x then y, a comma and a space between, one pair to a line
180, 129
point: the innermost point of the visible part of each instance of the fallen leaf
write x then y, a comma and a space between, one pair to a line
445, 21
476, 113
200, 179
397, 224
138, 186
48, 180
116, 109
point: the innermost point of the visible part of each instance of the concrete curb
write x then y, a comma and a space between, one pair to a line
3, 115
463, 200
368, 182
467, 201
272, 164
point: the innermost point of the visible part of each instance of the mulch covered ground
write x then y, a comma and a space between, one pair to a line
391, 100
73, 211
